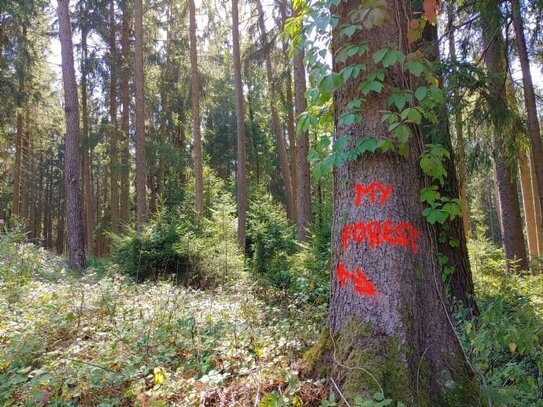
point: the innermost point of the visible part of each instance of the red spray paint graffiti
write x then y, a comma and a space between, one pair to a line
377, 233
361, 284
371, 190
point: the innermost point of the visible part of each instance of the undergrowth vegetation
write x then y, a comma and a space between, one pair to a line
106, 338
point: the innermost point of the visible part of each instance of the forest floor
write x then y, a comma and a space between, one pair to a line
102, 340
99, 339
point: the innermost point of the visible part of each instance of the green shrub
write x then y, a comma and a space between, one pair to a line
178, 244
271, 241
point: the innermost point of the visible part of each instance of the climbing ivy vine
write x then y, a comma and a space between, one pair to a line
418, 102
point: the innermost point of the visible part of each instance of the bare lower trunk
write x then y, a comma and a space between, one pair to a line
537, 209
240, 124
125, 118
114, 147
140, 117
195, 82
291, 127
72, 172
529, 98
528, 201
303, 183
495, 60
88, 191
276, 121
18, 164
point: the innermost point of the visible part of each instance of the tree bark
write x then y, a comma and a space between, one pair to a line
303, 182
114, 148
528, 201
460, 281
459, 129
240, 124
537, 209
387, 310
90, 216
195, 82
495, 60
125, 117
529, 99
18, 166
291, 127
72, 171
276, 121
140, 117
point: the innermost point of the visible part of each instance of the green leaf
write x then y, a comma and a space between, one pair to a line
366, 144
349, 118
372, 86
429, 195
330, 82
401, 132
349, 30
385, 145
392, 57
380, 54
421, 92
414, 67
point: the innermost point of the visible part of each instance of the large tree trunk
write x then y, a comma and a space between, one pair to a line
276, 121
195, 82
388, 315
240, 124
114, 148
529, 98
125, 117
495, 60
528, 201
88, 191
72, 172
303, 182
140, 117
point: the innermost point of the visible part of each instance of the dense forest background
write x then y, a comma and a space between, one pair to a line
175, 182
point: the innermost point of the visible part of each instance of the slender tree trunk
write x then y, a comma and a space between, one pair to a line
276, 121
387, 309
195, 82
495, 59
529, 99
528, 200
140, 117
241, 170
88, 192
291, 127
537, 209
114, 148
303, 183
125, 117
72, 172
18, 166
460, 281
459, 128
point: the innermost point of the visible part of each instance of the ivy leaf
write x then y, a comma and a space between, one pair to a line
421, 92
401, 132
366, 144
349, 118
379, 55
330, 83
372, 86
385, 145
429, 195
414, 67
349, 30
452, 209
